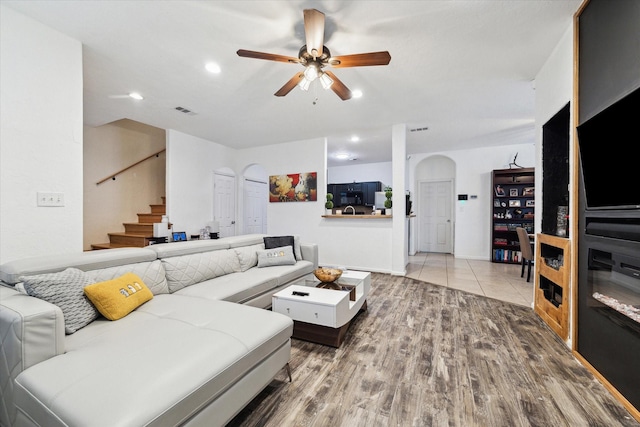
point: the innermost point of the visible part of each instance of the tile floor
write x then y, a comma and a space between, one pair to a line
494, 280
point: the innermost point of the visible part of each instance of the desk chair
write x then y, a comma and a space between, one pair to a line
526, 248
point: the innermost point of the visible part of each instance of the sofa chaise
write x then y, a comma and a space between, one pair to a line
197, 348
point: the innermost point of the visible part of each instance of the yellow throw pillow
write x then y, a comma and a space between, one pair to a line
116, 298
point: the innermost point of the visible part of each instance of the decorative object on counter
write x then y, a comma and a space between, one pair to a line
409, 203
205, 233
329, 204
214, 229
297, 187
388, 193
327, 275
338, 211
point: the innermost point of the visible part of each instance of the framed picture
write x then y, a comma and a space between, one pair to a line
500, 191
514, 203
295, 187
513, 192
496, 203
528, 191
530, 203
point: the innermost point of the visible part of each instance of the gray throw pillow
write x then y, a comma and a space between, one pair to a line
271, 242
66, 290
276, 256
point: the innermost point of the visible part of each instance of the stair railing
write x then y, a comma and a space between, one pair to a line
113, 176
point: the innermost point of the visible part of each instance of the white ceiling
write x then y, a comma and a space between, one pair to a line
464, 69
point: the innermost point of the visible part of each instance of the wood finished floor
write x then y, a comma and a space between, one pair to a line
428, 355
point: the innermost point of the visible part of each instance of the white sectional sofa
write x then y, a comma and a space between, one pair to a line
194, 354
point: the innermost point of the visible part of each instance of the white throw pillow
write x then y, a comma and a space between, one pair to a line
248, 255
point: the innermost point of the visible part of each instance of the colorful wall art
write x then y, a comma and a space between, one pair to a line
295, 187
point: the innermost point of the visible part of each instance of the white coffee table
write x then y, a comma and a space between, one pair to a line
323, 315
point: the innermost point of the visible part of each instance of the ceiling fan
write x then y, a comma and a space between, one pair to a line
314, 56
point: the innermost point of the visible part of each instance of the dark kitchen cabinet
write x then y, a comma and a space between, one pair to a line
354, 193
369, 192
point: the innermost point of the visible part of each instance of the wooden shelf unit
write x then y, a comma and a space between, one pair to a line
513, 200
552, 291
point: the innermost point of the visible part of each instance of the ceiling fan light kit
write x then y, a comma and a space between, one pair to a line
314, 56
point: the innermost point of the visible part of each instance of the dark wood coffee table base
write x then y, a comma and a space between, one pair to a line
323, 334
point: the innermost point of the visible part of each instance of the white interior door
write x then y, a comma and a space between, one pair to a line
255, 206
224, 203
434, 215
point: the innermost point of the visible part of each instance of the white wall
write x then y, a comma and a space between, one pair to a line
357, 244
40, 138
191, 162
300, 218
472, 218
554, 89
382, 172
109, 149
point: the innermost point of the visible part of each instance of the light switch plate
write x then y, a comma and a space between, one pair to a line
50, 199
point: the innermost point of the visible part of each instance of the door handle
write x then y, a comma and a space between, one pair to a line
233, 222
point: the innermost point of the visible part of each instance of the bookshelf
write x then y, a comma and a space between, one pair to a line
513, 206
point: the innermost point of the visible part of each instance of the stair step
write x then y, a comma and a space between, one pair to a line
158, 209
143, 229
99, 246
136, 234
149, 217
126, 239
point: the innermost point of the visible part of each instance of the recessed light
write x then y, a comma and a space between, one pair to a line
357, 93
213, 68
342, 156
135, 95
355, 138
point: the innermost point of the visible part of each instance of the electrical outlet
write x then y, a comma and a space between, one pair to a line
50, 199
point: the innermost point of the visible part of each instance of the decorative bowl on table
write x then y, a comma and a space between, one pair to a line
327, 275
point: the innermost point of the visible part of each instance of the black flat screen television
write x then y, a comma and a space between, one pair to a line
609, 156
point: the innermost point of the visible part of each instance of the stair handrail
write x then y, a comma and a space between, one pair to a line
113, 176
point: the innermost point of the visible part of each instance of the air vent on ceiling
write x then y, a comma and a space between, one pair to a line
419, 129
186, 111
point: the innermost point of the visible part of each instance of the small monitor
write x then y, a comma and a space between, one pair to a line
179, 236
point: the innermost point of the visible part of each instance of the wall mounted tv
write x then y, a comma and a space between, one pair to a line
608, 153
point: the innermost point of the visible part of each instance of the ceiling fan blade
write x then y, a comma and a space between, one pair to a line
288, 86
314, 31
338, 87
267, 56
360, 60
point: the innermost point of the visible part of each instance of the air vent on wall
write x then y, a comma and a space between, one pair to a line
186, 111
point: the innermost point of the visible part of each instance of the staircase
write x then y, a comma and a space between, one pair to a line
136, 234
